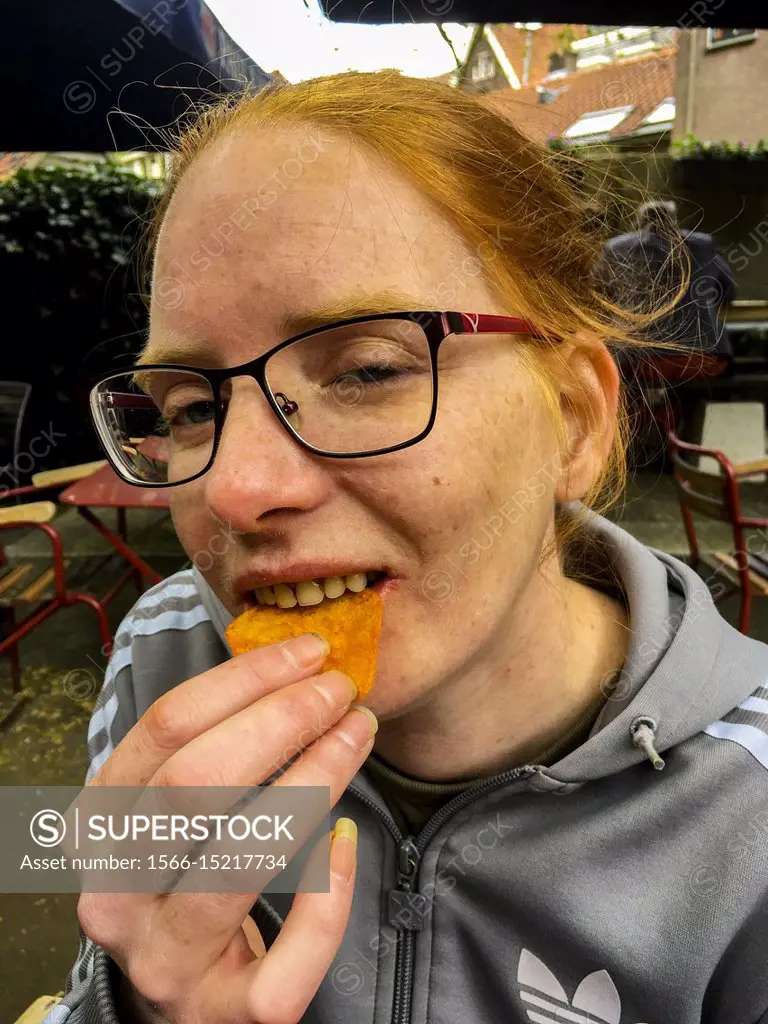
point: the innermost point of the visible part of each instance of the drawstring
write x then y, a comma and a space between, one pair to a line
643, 733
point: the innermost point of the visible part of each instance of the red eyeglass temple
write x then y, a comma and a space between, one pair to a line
489, 323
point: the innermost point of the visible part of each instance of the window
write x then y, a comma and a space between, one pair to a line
717, 37
594, 61
484, 67
664, 112
598, 122
636, 48
546, 95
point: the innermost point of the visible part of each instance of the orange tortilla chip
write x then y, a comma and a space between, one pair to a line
351, 624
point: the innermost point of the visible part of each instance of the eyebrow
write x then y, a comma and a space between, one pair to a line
174, 348
177, 348
370, 304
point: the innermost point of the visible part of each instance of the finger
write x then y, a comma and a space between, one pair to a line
191, 780
194, 929
341, 751
200, 703
280, 986
282, 724
175, 718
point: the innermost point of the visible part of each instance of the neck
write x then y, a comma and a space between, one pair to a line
545, 667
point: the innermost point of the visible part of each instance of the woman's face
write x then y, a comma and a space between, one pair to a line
269, 227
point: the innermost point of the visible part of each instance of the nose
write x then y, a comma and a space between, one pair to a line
259, 470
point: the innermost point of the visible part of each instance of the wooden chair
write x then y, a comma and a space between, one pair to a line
717, 496
28, 592
36, 1013
65, 476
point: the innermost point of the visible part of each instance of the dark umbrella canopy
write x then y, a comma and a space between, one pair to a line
733, 14
194, 29
91, 75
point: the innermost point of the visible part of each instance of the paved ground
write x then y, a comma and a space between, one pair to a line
42, 739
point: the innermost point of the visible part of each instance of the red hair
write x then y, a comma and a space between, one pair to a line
507, 196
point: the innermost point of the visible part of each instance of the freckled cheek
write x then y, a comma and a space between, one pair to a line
438, 515
490, 496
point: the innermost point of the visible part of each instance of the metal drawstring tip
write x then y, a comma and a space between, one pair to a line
643, 732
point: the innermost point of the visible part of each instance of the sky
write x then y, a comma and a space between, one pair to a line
286, 36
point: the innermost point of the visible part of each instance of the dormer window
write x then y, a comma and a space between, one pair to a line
597, 123
483, 68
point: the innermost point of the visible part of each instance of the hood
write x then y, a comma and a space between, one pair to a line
686, 667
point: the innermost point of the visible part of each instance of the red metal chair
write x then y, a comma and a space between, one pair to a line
717, 496
23, 588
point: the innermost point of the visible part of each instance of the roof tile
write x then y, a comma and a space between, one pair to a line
544, 41
642, 83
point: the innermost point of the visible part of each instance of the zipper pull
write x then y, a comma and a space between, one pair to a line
406, 907
407, 864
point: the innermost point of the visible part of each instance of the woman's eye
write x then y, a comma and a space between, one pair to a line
371, 374
192, 414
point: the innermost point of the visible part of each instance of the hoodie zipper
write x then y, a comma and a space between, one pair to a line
405, 896
400, 900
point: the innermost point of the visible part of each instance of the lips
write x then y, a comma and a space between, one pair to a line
315, 590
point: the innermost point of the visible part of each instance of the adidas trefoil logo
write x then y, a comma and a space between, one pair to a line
547, 1003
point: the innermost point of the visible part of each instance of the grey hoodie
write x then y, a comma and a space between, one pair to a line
594, 891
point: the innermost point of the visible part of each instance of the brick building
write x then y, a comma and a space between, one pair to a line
512, 56
632, 101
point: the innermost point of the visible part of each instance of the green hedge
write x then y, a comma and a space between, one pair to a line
69, 241
691, 148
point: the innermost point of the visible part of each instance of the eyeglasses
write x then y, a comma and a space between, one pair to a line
361, 387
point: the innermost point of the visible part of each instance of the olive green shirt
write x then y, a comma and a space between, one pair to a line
412, 802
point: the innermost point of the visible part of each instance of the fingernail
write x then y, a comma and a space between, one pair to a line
336, 688
352, 733
343, 848
306, 649
373, 720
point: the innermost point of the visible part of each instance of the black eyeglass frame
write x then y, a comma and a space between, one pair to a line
437, 326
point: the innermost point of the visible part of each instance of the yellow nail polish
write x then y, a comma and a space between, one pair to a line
345, 828
344, 855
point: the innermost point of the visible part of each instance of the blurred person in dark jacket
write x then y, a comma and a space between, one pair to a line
649, 264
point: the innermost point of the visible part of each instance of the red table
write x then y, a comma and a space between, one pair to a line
105, 489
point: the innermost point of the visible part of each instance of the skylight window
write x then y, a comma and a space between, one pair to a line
664, 112
598, 122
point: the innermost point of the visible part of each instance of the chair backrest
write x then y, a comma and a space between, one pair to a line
679, 367
14, 398
714, 495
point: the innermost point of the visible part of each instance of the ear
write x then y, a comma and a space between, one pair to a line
589, 399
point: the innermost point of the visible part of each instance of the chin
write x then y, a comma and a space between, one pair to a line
391, 697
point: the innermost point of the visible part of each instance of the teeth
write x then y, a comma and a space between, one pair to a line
334, 586
308, 593
285, 596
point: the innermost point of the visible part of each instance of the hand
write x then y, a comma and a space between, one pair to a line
198, 957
